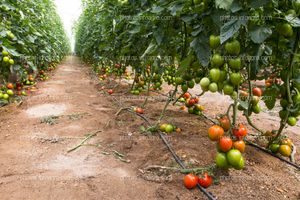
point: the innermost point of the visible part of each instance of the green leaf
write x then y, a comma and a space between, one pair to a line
224, 4
258, 4
294, 21
202, 49
259, 34
230, 28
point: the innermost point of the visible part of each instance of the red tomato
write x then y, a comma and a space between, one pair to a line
191, 102
206, 181
186, 95
190, 181
241, 131
139, 110
110, 91
257, 92
225, 143
196, 100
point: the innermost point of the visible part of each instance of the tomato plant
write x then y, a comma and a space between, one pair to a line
32, 38
223, 46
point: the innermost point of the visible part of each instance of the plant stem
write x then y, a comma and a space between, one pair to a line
290, 101
167, 104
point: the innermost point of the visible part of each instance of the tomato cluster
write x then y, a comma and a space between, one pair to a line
190, 181
229, 150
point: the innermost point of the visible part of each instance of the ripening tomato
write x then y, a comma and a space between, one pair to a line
257, 91
240, 145
285, 150
187, 95
225, 143
206, 181
190, 181
287, 141
10, 86
225, 122
215, 132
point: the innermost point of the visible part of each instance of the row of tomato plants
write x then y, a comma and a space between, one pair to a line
32, 39
224, 46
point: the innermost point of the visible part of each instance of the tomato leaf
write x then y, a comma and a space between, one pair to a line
224, 4
201, 47
230, 28
294, 21
259, 34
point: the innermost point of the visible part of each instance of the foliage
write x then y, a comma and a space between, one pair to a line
32, 35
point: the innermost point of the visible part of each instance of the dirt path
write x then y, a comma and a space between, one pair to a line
34, 163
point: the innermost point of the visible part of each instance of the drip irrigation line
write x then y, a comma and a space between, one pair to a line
261, 148
175, 156
274, 155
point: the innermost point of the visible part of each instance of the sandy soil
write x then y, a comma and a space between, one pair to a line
35, 164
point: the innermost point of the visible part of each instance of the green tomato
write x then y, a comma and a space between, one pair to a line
191, 84
1, 95
191, 110
215, 74
10, 92
274, 148
285, 30
228, 89
233, 47
184, 88
292, 121
178, 80
4, 53
234, 157
197, 80
213, 87
217, 60
204, 83
235, 63
221, 161
256, 108
162, 127
5, 96
296, 99
234, 95
214, 41
169, 128
223, 76
5, 59
11, 61
235, 78
241, 164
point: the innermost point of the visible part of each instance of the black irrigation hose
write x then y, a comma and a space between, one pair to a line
270, 153
262, 149
175, 156
178, 160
